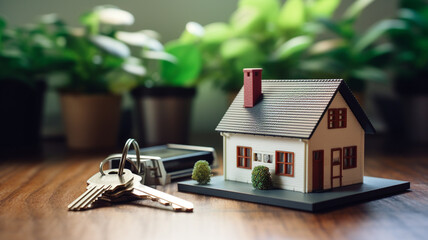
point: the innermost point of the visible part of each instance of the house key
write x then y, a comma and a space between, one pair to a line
99, 184
144, 192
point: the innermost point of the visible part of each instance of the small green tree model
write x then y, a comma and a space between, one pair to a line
202, 172
261, 178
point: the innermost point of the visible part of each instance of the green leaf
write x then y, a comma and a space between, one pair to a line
114, 16
355, 9
318, 65
111, 46
112, 62
192, 33
331, 25
91, 21
375, 32
234, 48
292, 15
159, 55
246, 20
216, 33
370, 74
291, 47
51, 18
134, 69
323, 8
414, 18
13, 53
139, 39
186, 70
325, 46
379, 51
268, 8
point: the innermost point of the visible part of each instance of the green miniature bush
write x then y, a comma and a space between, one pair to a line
261, 178
202, 172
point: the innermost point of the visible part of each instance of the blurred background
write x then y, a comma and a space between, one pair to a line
93, 73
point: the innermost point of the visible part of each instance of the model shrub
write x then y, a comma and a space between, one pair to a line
202, 172
261, 178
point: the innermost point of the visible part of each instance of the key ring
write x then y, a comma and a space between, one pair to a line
124, 157
125, 153
109, 158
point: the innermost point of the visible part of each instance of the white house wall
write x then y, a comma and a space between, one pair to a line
264, 145
326, 139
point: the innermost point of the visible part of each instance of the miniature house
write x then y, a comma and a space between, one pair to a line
309, 133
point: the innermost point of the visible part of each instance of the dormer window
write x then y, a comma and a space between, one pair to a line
336, 118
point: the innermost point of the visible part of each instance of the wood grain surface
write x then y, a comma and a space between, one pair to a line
34, 196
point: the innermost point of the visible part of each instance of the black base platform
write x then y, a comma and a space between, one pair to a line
372, 188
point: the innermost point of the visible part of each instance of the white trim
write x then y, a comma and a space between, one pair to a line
306, 172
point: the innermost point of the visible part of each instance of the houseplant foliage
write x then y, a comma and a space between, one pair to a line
100, 68
27, 56
177, 64
410, 56
355, 58
30, 52
407, 120
98, 62
165, 92
202, 172
259, 34
261, 178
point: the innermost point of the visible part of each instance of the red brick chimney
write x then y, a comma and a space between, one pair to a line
252, 86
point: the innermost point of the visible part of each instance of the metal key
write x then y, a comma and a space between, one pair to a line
139, 191
99, 184
127, 192
144, 192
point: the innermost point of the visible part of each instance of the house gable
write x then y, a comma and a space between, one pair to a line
352, 106
326, 139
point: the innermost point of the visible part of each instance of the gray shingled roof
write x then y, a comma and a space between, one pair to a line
289, 108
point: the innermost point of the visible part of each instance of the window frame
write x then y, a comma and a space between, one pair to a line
244, 157
333, 118
285, 164
347, 158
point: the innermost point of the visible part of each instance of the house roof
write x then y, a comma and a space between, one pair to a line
289, 108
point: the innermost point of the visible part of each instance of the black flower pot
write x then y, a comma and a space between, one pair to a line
163, 114
21, 107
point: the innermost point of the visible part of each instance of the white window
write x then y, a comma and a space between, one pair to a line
258, 157
267, 158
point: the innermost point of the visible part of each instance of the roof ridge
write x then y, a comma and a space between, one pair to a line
304, 80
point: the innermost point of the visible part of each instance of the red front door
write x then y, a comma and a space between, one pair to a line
317, 170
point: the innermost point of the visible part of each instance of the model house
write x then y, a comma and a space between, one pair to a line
309, 133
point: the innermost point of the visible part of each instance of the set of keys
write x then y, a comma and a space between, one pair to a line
121, 185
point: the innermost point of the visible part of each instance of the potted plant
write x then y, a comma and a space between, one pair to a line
96, 77
264, 34
26, 58
163, 98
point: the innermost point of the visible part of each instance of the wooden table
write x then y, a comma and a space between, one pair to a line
34, 198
